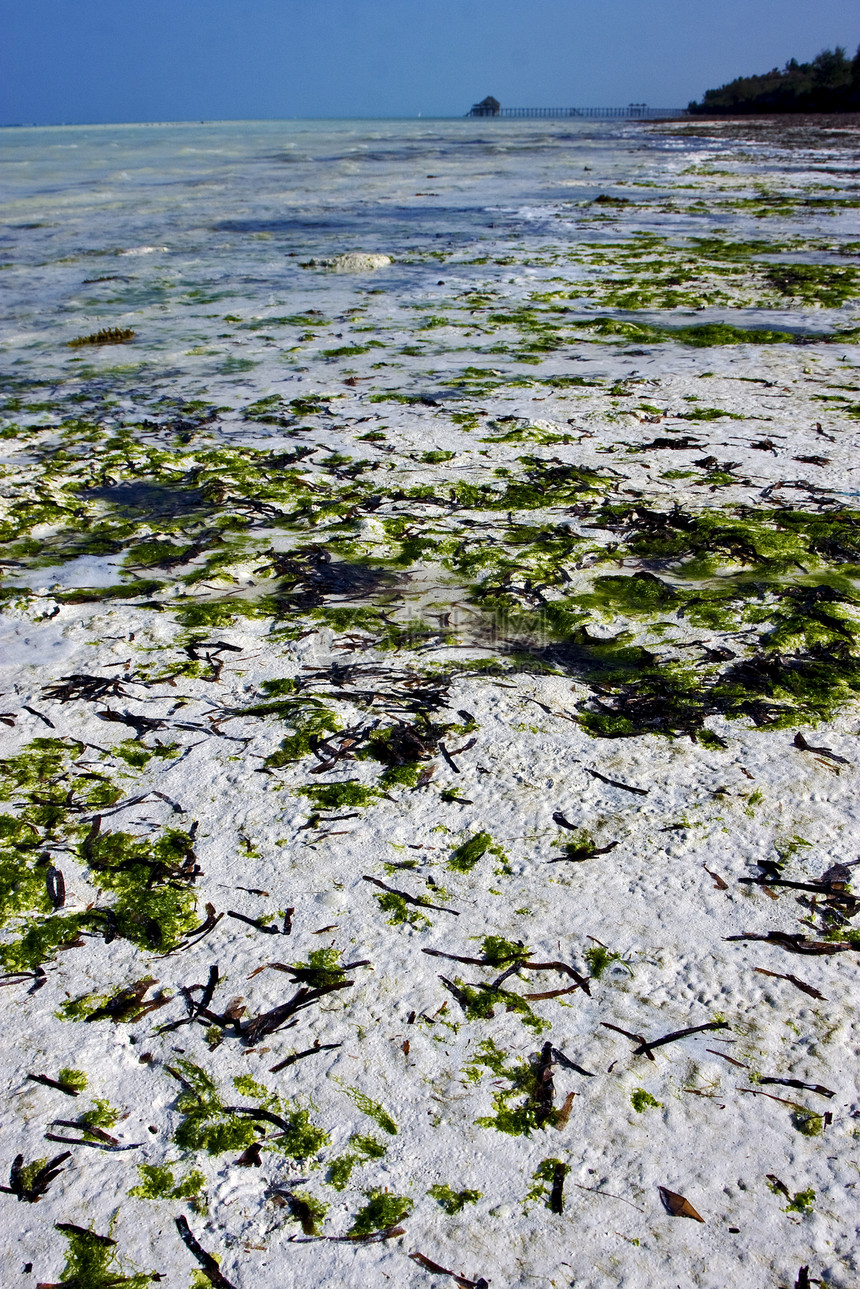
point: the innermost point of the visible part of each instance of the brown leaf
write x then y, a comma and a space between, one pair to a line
718, 881
677, 1205
563, 1114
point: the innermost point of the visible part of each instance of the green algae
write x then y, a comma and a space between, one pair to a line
466, 856
107, 336
341, 1168
498, 952
808, 1122
516, 1108
149, 880
402, 913
599, 958
453, 1202
74, 1080
158, 1182
543, 1180
101, 1115
336, 796
92, 1262
642, 1101
801, 1202
381, 1212
208, 1125
480, 1002
702, 336
323, 967
817, 284
373, 1109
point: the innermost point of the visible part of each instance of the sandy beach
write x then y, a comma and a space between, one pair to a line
430, 669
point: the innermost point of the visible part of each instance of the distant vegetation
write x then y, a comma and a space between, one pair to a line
830, 83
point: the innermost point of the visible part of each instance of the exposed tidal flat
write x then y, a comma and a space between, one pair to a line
430, 704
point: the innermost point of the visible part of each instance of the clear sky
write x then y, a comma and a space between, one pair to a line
163, 60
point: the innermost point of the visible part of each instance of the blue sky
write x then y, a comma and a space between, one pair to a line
156, 60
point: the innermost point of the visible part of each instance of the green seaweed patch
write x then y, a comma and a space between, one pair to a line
808, 1122
599, 959
323, 967
543, 1180
311, 721
499, 952
137, 755
40, 939
373, 1109
453, 1202
336, 796
801, 1202
308, 1210
154, 906
816, 284
126, 1006
518, 1110
72, 1080
703, 335
479, 1002
466, 856
158, 1182
362, 1149
207, 1124
92, 1262
381, 1212
718, 248
403, 913
107, 336
101, 1115
642, 1100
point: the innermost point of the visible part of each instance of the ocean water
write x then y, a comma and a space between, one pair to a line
167, 228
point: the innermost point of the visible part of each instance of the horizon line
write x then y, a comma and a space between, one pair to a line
252, 120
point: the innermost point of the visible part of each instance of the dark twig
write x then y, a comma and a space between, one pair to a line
254, 922
298, 1056
544, 1093
266, 1024
800, 742
636, 1038
568, 1064
580, 853
796, 1083
390, 1233
53, 1083
420, 903
793, 980
472, 962
595, 774
646, 1048
550, 993
556, 1197
33, 712
199, 933
801, 943
462, 1281
210, 1267
56, 887
33, 1192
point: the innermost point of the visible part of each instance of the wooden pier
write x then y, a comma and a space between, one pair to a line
633, 112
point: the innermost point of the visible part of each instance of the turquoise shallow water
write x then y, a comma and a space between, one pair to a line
153, 226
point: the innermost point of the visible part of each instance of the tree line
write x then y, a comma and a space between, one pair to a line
830, 83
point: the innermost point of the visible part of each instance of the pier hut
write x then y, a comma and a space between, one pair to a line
488, 106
